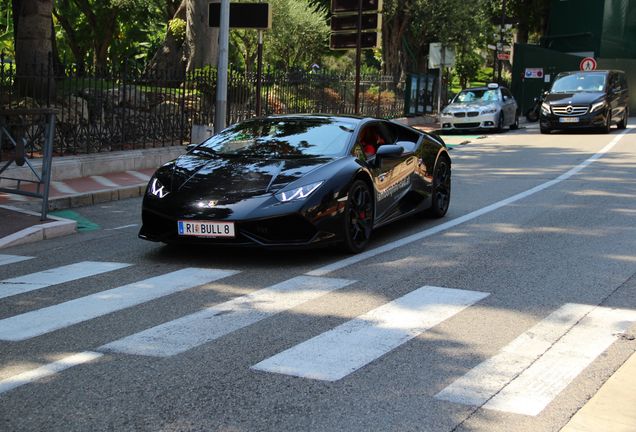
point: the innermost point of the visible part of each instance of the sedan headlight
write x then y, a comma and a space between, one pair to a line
545, 108
157, 189
446, 113
597, 106
298, 193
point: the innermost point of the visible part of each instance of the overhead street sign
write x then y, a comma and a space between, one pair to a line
587, 64
370, 21
243, 15
343, 6
349, 40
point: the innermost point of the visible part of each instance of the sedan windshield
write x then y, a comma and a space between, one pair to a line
579, 83
477, 96
282, 138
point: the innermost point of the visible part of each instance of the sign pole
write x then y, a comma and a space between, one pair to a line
358, 59
259, 72
222, 69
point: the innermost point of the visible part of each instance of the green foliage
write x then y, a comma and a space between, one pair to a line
177, 28
6, 28
298, 37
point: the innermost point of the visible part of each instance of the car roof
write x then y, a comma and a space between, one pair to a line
483, 88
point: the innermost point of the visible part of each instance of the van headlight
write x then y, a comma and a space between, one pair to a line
597, 106
545, 108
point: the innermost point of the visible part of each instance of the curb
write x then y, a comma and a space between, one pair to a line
96, 197
60, 227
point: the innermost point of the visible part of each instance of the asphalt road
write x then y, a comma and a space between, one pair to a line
506, 315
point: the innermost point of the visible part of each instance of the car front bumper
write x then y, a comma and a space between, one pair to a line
481, 121
551, 121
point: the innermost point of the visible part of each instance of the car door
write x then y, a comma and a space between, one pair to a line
509, 106
384, 173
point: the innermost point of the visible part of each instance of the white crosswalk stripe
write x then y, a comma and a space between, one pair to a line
10, 259
41, 321
47, 370
193, 330
345, 349
527, 374
55, 276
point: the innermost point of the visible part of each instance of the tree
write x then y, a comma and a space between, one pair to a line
299, 35
32, 21
202, 41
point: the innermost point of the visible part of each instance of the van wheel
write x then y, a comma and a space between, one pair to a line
608, 123
623, 123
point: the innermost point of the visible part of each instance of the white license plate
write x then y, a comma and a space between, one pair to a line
569, 119
205, 228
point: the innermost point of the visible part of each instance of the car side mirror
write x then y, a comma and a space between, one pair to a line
389, 151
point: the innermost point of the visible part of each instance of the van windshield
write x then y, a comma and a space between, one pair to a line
572, 83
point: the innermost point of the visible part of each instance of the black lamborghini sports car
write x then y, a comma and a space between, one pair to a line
297, 180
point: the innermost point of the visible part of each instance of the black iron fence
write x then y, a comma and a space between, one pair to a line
130, 109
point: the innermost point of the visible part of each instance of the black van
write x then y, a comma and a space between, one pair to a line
586, 99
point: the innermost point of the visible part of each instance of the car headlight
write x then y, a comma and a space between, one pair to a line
545, 108
489, 110
446, 113
298, 193
597, 106
157, 189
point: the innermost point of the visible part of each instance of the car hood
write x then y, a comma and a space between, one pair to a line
574, 98
470, 106
236, 178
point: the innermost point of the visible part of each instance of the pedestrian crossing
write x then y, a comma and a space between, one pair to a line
523, 377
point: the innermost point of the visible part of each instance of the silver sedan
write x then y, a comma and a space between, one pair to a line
491, 107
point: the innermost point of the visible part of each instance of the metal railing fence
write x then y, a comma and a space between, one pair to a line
125, 108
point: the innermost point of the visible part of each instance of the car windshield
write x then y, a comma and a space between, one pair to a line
282, 138
573, 83
477, 96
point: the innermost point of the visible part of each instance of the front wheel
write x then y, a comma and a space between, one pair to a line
545, 130
358, 220
623, 123
515, 125
441, 189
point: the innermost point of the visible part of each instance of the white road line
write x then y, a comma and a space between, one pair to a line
45, 320
58, 275
139, 175
10, 259
47, 370
350, 346
322, 271
63, 188
533, 369
122, 227
104, 181
190, 331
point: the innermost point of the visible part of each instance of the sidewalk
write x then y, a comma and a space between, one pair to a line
23, 226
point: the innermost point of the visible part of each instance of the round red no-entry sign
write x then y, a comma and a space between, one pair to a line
587, 64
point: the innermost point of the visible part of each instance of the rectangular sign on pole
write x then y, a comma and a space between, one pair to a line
349, 40
343, 6
243, 15
435, 58
370, 21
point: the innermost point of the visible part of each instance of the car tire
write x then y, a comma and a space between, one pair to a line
623, 123
500, 123
515, 125
441, 189
608, 123
358, 217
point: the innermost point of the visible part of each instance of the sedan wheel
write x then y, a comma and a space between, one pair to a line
515, 125
358, 217
441, 189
